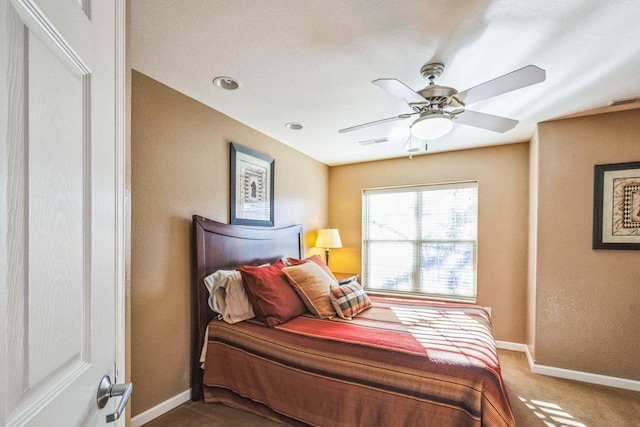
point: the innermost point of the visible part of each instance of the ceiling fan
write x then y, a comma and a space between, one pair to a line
438, 106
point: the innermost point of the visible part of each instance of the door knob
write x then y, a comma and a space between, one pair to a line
107, 390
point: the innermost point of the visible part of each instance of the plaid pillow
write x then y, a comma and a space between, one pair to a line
349, 300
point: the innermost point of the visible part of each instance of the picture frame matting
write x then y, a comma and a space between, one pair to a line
616, 206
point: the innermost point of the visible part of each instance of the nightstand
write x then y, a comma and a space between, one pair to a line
344, 278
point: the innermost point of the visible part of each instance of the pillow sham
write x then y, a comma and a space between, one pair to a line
349, 300
316, 259
227, 296
274, 301
313, 286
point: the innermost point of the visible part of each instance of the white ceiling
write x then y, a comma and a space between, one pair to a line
312, 62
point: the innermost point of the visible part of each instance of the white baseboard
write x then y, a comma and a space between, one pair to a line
513, 346
584, 376
568, 374
160, 409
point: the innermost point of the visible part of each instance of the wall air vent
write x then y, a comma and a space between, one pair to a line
373, 141
627, 101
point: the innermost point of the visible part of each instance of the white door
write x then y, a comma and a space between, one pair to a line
61, 222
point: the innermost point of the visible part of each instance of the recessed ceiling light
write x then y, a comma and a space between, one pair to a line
293, 126
227, 83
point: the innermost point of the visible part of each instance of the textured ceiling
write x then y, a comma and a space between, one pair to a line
312, 62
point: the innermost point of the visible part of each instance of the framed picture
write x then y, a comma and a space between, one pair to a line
616, 206
251, 188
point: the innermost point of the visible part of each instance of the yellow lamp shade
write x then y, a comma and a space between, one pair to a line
328, 238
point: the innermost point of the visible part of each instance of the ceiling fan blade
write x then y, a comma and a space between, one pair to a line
486, 121
397, 88
518, 79
377, 122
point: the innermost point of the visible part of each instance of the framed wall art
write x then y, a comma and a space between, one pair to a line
251, 187
616, 206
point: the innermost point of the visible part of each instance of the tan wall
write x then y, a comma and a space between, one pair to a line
503, 196
587, 301
180, 167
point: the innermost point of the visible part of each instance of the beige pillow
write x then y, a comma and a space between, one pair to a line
313, 258
313, 286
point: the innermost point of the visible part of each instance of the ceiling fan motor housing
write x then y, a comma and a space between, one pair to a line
439, 96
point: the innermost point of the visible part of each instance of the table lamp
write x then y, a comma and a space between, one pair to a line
328, 239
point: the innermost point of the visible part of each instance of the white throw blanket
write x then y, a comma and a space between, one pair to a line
227, 296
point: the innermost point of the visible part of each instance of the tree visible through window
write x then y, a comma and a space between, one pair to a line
421, 239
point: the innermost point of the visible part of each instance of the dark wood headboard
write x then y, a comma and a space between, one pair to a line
222, 246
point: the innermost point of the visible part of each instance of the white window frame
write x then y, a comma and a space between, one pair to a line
416, 279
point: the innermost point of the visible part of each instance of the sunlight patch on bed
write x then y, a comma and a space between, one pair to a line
449, 336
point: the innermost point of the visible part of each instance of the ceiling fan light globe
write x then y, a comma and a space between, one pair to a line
431, 126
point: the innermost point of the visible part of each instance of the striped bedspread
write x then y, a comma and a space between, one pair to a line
399, 363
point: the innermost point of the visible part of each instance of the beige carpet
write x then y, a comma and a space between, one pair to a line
536, 400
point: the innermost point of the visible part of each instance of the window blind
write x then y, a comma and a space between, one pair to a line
421, 239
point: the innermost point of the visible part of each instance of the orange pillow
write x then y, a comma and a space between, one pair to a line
314, 258
273, 299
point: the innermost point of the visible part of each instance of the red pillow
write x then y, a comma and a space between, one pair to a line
274, 301
314, 258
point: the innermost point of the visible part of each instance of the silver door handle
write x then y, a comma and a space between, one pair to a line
107, 390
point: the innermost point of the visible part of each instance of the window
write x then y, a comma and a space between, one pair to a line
421, 240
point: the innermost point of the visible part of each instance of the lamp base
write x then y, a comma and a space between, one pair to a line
327, 253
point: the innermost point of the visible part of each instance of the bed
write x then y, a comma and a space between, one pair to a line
400, 362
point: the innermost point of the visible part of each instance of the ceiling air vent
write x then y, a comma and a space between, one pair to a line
373, 141
627, 101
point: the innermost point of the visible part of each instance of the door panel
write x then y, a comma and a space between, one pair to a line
56, 215
61, 221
